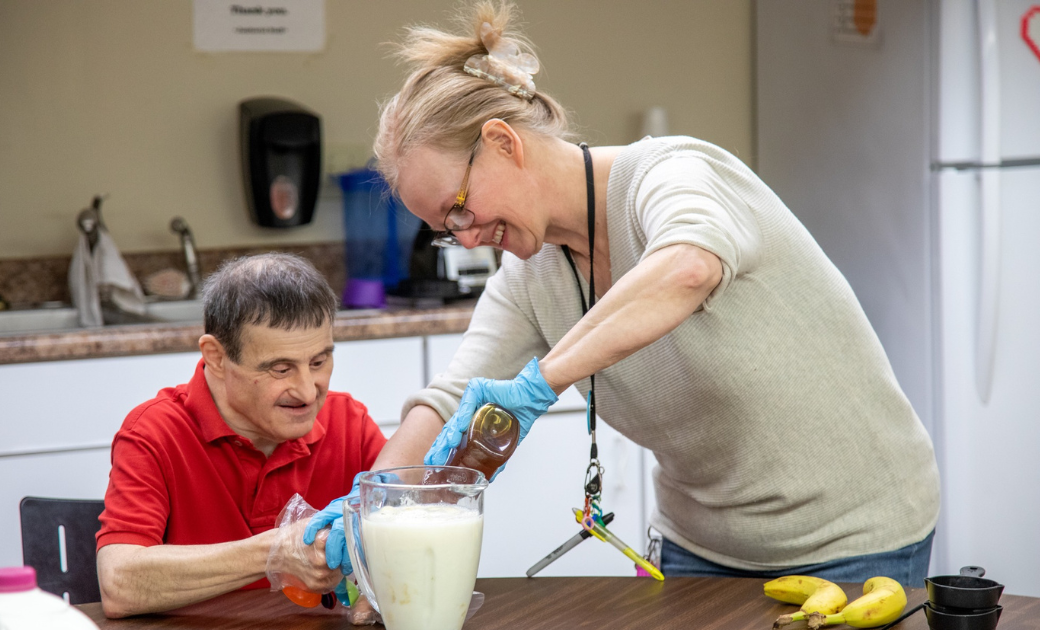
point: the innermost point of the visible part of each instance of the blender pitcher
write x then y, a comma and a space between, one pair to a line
414, 540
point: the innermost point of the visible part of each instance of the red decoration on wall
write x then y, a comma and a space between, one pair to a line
1031, 16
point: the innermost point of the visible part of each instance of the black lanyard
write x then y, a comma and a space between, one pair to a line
593, 482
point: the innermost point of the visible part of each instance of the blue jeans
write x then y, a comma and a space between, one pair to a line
908, 566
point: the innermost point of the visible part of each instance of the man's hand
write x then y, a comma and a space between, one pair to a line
290, 555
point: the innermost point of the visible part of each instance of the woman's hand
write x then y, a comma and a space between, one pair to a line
335, 546
527, 397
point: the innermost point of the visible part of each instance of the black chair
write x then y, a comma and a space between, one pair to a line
44, 523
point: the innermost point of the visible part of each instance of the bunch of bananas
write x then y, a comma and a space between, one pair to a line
824, 603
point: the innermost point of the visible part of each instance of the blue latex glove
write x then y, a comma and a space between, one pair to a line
527, 397
336, 545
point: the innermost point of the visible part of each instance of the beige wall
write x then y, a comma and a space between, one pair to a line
109, 96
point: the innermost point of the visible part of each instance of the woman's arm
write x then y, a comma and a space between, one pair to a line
501, 338
409, 443
647, 303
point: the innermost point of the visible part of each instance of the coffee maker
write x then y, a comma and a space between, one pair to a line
448, 273
280, 147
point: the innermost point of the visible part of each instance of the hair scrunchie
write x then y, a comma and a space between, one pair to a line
504, 65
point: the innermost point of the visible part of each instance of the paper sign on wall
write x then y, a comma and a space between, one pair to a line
259, 25
855, 22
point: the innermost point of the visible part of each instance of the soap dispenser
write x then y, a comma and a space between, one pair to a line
280, 144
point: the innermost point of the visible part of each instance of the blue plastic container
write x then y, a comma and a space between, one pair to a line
379, 237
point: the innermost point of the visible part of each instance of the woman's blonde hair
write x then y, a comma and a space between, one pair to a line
442, 106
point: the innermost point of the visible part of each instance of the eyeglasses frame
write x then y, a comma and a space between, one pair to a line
445, 237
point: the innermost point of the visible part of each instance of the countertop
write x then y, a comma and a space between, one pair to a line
138, 339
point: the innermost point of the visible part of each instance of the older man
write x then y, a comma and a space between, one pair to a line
201, 471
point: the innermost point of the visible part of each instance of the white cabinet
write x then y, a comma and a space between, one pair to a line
57, 427
76, 404
380, 373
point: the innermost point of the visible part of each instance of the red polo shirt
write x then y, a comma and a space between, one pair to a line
181, 476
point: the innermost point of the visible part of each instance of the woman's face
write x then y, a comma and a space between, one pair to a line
499, 194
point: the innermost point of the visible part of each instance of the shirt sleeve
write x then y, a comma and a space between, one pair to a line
137, 502
684, 200
499, 342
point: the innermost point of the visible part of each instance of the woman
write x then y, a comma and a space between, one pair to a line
721, 336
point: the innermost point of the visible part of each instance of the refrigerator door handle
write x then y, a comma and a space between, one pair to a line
989, 253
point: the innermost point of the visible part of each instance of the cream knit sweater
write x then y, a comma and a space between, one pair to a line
781, 433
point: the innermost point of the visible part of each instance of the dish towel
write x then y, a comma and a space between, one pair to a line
89, 271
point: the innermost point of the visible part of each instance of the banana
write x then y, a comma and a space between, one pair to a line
816, 595
883, 601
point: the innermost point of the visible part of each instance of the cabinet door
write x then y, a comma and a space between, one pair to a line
75, 404
527, 510
380, 373
73, 475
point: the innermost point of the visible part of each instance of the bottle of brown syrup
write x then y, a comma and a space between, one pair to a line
490, 441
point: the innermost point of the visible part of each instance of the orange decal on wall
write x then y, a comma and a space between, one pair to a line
1031, 29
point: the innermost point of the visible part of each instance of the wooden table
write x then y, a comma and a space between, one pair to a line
612, 603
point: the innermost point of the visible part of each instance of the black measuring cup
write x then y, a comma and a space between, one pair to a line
964, 592
962, 618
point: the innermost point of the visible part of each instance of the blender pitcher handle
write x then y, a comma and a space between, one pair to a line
352, 521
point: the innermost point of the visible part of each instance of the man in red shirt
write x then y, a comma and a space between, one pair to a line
201, 471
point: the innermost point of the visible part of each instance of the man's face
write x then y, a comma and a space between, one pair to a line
281, 380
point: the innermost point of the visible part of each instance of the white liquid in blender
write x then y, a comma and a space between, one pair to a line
423, 564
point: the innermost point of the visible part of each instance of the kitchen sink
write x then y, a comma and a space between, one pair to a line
176, 311
15, 322
64, 317
38, 320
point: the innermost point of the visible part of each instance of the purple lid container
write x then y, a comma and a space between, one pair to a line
363, 293
17, 579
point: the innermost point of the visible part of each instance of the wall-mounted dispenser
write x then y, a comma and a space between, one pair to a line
281, 161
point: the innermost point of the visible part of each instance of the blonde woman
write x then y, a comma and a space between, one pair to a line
718, 333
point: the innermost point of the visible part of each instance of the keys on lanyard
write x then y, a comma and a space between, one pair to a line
594, 472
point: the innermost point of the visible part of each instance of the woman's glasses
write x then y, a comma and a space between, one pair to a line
458, 217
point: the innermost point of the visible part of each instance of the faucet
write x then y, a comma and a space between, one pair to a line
191, 257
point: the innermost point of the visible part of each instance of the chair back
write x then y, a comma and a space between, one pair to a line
58, 540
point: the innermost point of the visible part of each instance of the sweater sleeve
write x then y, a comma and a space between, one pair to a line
500, 340
683, 199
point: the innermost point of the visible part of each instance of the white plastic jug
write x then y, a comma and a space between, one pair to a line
23, 606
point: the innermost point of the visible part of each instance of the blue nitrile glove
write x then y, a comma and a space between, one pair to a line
336, 545
527, 397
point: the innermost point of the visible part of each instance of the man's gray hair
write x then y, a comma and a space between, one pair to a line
277, 290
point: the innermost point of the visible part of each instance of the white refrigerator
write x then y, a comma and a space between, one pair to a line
905, 135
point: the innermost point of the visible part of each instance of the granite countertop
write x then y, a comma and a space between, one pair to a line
137, 339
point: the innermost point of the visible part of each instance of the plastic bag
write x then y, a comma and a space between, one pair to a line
289, 550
